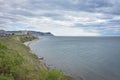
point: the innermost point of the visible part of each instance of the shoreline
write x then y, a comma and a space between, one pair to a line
24, 64
27, 43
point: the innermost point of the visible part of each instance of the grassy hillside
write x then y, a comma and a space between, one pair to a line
18, 63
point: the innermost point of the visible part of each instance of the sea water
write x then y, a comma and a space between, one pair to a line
84, 58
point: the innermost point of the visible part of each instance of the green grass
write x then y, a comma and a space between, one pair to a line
10, 62
52, 75
18, 63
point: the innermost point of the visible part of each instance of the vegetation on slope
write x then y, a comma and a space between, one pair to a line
18, 63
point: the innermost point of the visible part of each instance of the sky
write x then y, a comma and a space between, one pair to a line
62, 17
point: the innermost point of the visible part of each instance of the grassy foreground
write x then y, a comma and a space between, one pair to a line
18, 63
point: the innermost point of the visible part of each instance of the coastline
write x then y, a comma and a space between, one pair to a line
22, 64
27, 43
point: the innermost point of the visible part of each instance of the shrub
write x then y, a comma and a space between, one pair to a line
52, 74
10, 62
6, 77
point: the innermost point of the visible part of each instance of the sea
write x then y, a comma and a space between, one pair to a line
83, 58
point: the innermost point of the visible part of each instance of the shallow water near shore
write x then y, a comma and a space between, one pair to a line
84, 58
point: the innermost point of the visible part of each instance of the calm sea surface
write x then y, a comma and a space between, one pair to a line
84, 58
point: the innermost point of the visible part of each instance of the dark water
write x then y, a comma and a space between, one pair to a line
84, 58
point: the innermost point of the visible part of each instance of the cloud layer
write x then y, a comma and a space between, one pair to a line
62, 17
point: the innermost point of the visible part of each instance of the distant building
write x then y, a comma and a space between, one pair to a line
3, 33
2, 30
24, 32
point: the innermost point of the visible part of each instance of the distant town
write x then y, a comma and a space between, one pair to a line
4, 33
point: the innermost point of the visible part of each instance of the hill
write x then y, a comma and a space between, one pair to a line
35, 33
18, 63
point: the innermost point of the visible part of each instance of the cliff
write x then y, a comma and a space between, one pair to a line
18, 63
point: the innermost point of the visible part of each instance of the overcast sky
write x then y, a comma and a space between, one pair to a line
62, 17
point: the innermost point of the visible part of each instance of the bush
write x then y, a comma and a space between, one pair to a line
6, 77
10, 62
51, 75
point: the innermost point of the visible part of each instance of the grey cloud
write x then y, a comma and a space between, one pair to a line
102, 6
52, 15
12, 11
2, 22
114, 22
9, 18
112, 25
82, 5
23, 13
56, 16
